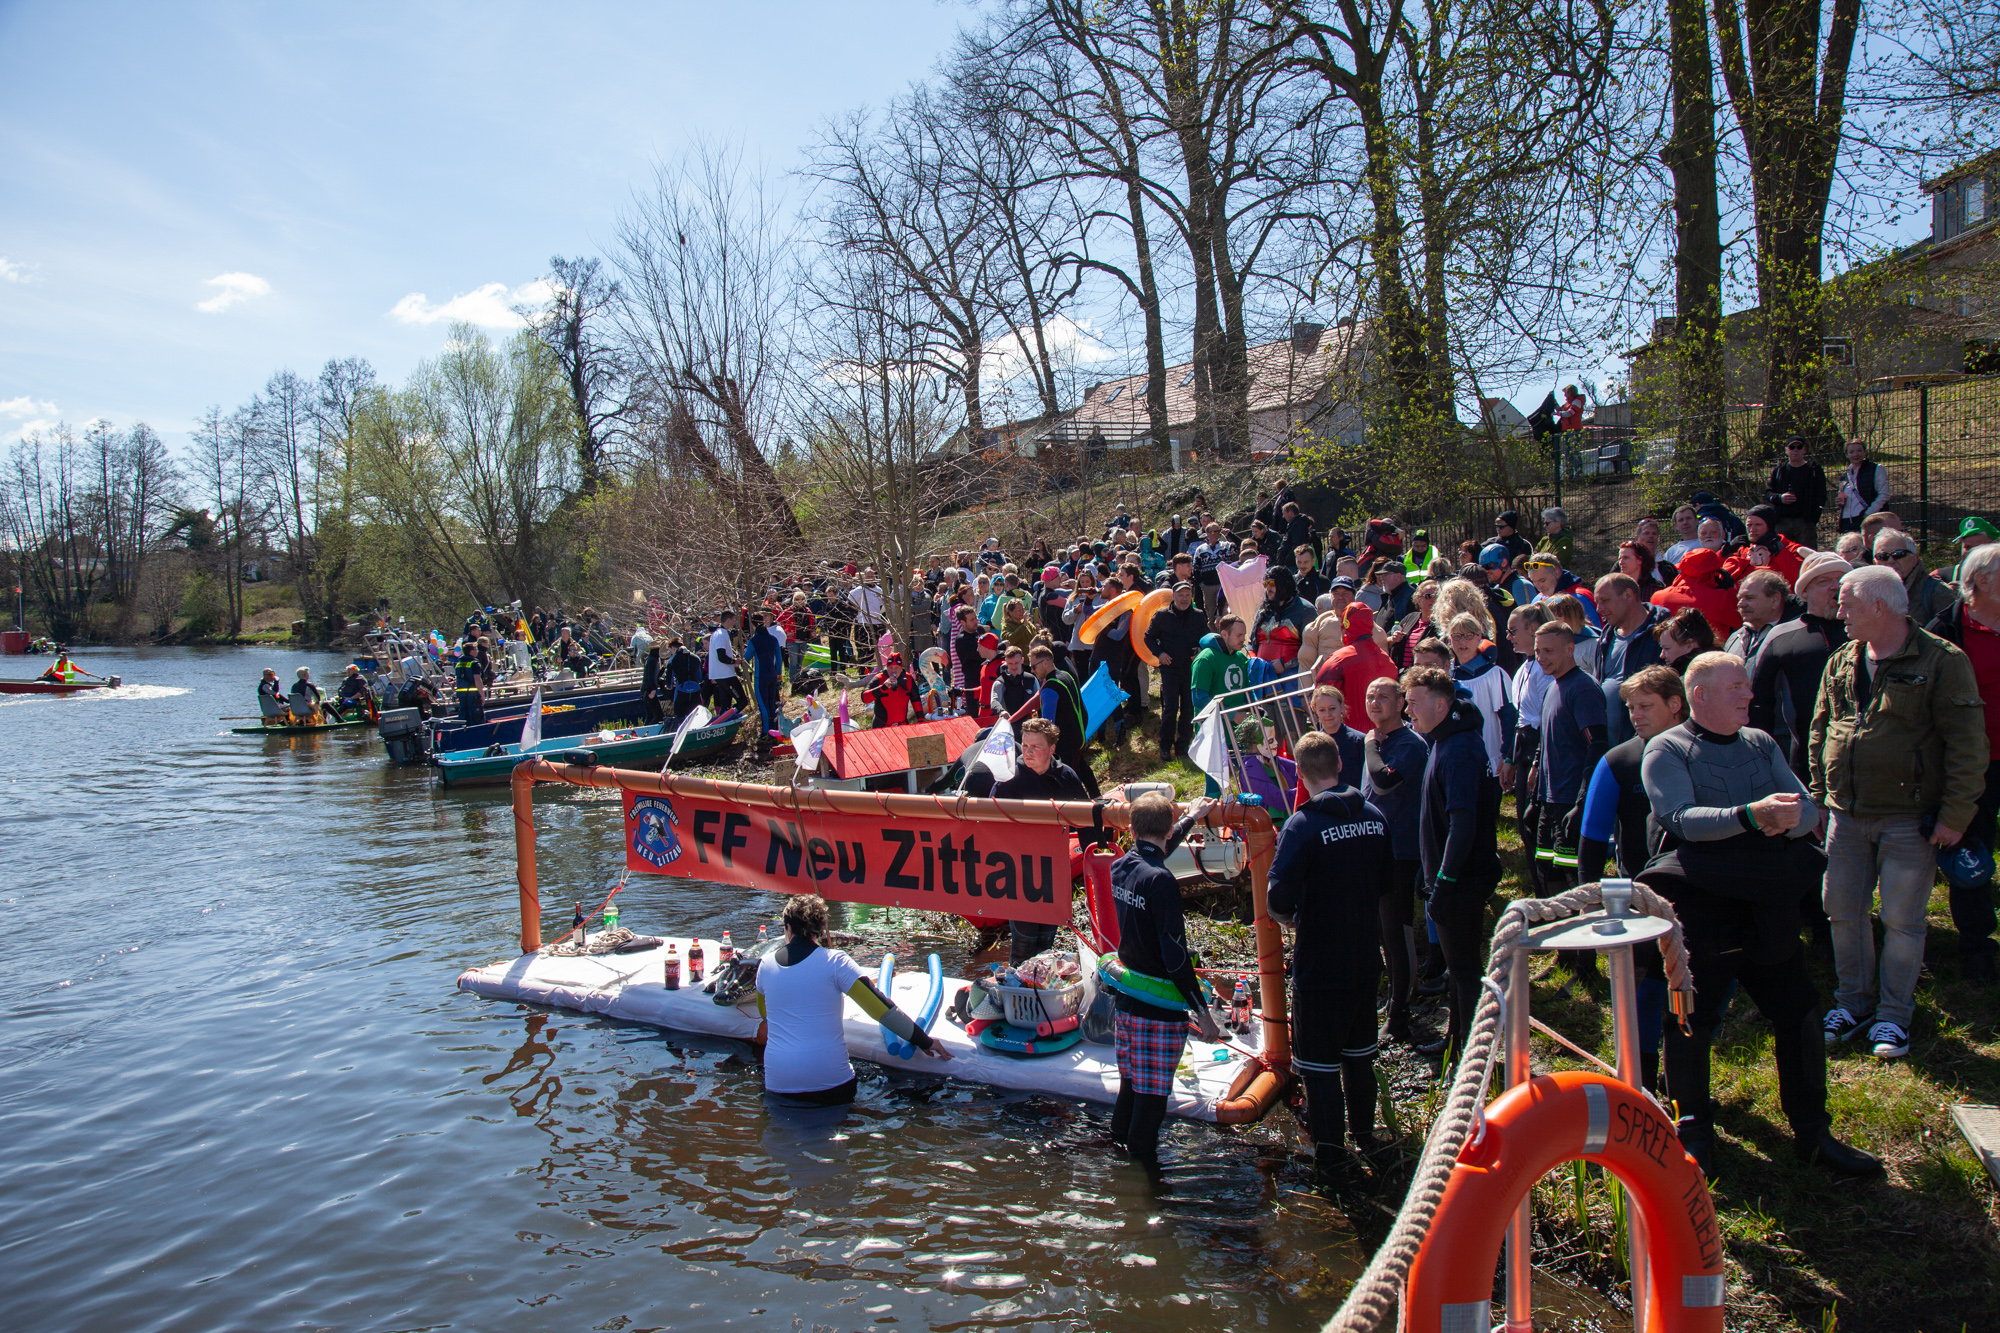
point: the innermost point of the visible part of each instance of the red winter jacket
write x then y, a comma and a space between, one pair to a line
1787, 560
1705, 585
1358, 664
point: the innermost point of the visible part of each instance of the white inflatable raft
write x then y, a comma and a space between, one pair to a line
631, 986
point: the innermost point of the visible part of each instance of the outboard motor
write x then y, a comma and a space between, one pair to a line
406, 735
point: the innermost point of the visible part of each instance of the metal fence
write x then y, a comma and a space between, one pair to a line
1940, 443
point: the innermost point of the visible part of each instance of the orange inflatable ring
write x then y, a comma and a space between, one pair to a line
1154, 602
1529, 1131
1104, 615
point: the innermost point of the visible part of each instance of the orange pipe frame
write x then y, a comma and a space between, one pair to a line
1258, 1085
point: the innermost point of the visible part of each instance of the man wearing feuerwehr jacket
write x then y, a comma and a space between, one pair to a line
1331, 859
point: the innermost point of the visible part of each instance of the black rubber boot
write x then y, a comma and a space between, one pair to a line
1357, 1078
1333, 1165
1836, 1158
1326, 1118
1121, 1114
1149, 1112
1699, 1140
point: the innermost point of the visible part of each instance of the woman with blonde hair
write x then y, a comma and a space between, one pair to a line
1457, 597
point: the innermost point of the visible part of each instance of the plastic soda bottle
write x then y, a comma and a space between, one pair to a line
763, 935
611, 917
673, 967
725, 951
694, 959
1240, 1016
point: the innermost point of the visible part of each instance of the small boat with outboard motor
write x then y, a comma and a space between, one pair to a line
40, 686
562, 715
632, 745
302, 728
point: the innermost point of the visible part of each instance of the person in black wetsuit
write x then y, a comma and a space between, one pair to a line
1040, 777
651, 692
1152, 941
1784, 680
1393, 784
1331, 860
1062, 705
1616, 813
1458, 835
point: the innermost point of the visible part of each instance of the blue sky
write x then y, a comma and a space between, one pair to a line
193, 195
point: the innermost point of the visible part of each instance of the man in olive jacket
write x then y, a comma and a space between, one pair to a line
1898, 757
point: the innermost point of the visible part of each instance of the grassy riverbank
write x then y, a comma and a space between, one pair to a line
1915, 1251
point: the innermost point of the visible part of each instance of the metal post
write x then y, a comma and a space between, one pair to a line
1625, 1040
1520, 1236
1924, 462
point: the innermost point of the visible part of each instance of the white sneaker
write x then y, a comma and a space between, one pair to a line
1840, 1025
1890, 1040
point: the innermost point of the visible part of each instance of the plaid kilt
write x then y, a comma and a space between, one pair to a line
1149, 1051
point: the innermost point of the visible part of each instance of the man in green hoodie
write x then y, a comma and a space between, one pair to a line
1221, 666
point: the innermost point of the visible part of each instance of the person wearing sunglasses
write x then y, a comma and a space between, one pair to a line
1930, 596
1797, 491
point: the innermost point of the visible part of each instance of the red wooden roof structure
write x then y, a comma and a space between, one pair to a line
879, 750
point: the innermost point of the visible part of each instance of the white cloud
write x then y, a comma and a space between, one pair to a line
490, 306
14, 271
232, 289
25, 406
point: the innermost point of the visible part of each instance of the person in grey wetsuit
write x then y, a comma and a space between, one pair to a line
1734, 858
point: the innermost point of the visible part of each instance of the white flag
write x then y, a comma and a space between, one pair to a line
531, 725
998, 754
1243, 587
807, 738
693, 722
1210, 748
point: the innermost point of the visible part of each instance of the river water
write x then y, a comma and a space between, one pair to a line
239, 1090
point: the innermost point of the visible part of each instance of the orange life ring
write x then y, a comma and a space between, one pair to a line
1529, 1131
1154, 602
1102, 617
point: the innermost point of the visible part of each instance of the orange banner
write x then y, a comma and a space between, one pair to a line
1016, 872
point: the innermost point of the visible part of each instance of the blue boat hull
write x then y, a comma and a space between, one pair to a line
588, 715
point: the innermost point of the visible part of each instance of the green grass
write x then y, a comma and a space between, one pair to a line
1915, 1251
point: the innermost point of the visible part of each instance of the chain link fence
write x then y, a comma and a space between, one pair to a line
1940, 443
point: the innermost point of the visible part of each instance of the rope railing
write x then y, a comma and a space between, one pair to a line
1373, 1301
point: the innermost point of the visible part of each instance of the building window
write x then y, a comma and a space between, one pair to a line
1838, 352
1961, 206
1113, 396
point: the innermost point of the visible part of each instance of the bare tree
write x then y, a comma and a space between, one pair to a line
705, 263
578, 328
222, 469
906, 194
876, 412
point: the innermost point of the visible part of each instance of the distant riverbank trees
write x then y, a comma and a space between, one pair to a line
764, 370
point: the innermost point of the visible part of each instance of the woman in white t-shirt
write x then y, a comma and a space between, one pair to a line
802, 990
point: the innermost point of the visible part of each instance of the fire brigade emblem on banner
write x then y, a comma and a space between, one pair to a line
653, 838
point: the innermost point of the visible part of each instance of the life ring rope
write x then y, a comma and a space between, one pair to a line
1372, 1302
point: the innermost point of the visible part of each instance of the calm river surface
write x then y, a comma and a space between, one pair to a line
240, 1090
